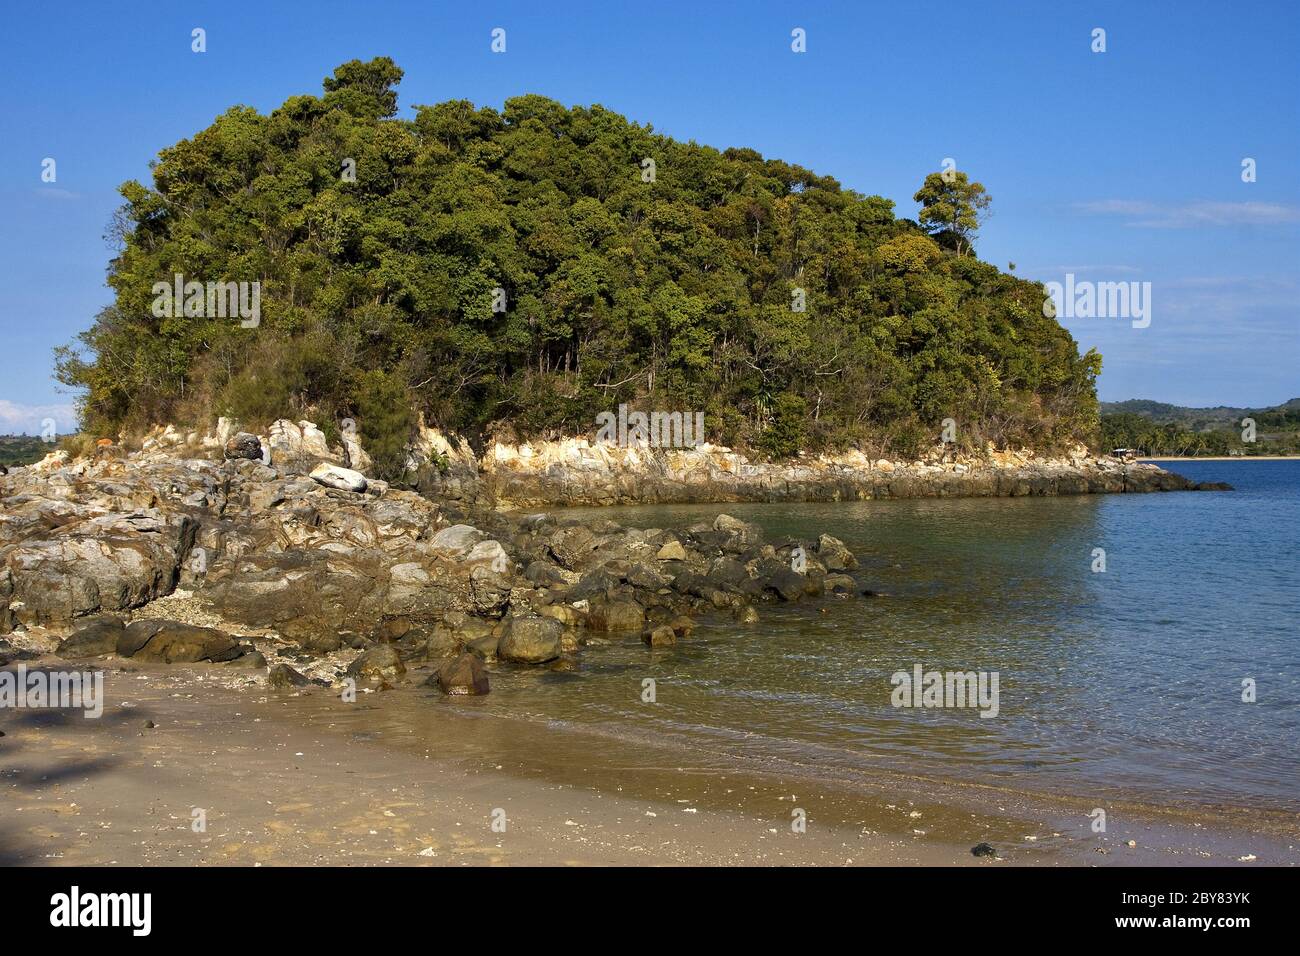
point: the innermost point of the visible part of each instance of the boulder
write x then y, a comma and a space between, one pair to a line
572, 545
546, 575
530, 640
743, 531
172, 642
833, 553
336, 476
484, 647
566, 614
378, 663
463, 675
244, 446
386, 632
283, 676
840, 584
682, 625
489, 592
661, 636
249, 657
442, 642
296, 447
491, 553
671, 551
787, 585
93, 640
616, 616
101, 562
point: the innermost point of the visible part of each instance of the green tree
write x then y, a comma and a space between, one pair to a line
952, 207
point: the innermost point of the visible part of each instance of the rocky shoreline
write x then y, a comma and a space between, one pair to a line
579, 472
161, 557
271, 552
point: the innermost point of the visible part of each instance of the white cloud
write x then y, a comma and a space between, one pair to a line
55, 192
1193, 214
19, 419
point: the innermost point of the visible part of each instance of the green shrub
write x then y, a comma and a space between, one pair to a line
385, 421
785, 435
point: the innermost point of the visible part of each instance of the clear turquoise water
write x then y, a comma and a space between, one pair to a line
1123, 683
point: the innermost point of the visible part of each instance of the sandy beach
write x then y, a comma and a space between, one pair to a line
407, 777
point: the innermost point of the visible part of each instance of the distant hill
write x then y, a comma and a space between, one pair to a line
1158, 428
22, 449
1184, 415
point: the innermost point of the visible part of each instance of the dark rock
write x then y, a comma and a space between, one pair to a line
545, 574
442, 642
171, 642
840, 584
641, 575
787, 585
244, 446
93, 640
983, 849
727, 572
282, 675
462, 675
1211, 486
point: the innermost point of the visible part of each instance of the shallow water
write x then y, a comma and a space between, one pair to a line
1121, 684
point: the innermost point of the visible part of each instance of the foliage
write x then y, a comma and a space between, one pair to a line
386, 421
668, 294
951, 207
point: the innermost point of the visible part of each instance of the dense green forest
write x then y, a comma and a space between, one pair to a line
630, 267
1156, 428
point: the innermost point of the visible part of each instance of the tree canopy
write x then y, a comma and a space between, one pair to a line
527, 268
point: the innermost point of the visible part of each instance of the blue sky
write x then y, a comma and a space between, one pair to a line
1116, 166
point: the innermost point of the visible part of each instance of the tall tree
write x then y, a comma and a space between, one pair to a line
952, 208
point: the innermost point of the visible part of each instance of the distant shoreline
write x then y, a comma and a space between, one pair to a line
1224, 458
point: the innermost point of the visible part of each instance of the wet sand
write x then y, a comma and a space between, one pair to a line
408, 777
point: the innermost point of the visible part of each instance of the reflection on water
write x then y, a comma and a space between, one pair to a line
1118, 684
